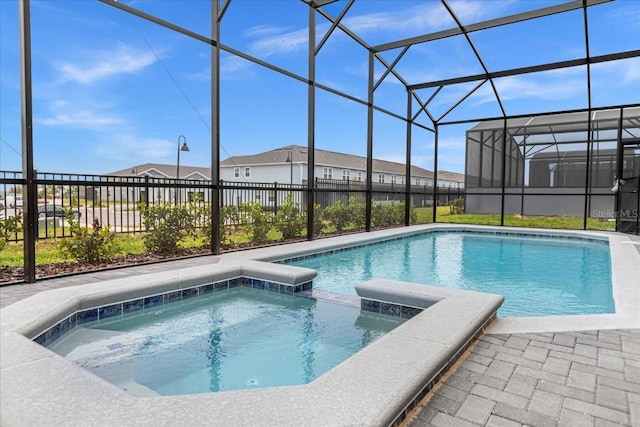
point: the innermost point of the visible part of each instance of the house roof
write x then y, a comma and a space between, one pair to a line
279, 155
450, 176
323, 158
158, 170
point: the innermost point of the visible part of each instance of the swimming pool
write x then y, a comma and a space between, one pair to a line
539, 276
233, 339
372, 387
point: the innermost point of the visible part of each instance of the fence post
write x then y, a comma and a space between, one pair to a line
275, 198
146, 190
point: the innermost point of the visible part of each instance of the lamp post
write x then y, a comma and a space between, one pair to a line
134, 172
290, 161
184, 147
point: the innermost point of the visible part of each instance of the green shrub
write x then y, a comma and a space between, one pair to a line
228, 221
339, 215
384, 215
357, 213
166, 226
456, 207
93, 245
379, 215
413, 214
256, 221
289, 221
318, 219
8, 228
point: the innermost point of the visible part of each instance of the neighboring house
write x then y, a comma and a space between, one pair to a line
255, 177
288, 165
138, 193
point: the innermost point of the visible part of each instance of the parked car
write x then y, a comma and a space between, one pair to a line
14, 201
55, 210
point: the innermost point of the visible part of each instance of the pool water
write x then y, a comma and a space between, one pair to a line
537, 276
235, 339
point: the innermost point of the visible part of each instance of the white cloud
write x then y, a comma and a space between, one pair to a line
626, 15
85, 119
523, 87
282, 43
423, 18
231, 68
231, 65
264, 30
550, 86
202, 75
153, 150
106, 63
273, 40
621, 72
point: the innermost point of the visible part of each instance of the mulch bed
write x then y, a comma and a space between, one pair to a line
10, 275
16, 274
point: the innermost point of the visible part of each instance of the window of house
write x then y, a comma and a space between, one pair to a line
394, 179
247, 172
402, 179
327, 173
417, 180
381, 178
346, 174
359, 176
236, 172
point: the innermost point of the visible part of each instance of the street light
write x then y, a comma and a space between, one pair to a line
290, 161
184, 147
134, 172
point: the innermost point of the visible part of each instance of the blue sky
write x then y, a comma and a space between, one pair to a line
112, 90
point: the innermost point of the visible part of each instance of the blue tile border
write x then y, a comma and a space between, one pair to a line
390, 309
153, 301
109, 311
494, 233
52, 334
205, 289
87, 315
132, 306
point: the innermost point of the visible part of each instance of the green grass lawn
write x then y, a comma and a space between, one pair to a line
424, 215
47, 249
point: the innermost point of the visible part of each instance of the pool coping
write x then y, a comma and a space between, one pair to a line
371, 388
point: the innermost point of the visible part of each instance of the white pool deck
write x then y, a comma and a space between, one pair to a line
38, 387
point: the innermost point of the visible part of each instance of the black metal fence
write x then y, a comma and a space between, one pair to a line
115, 201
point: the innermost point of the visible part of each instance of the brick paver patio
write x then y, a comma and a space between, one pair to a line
589, 378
